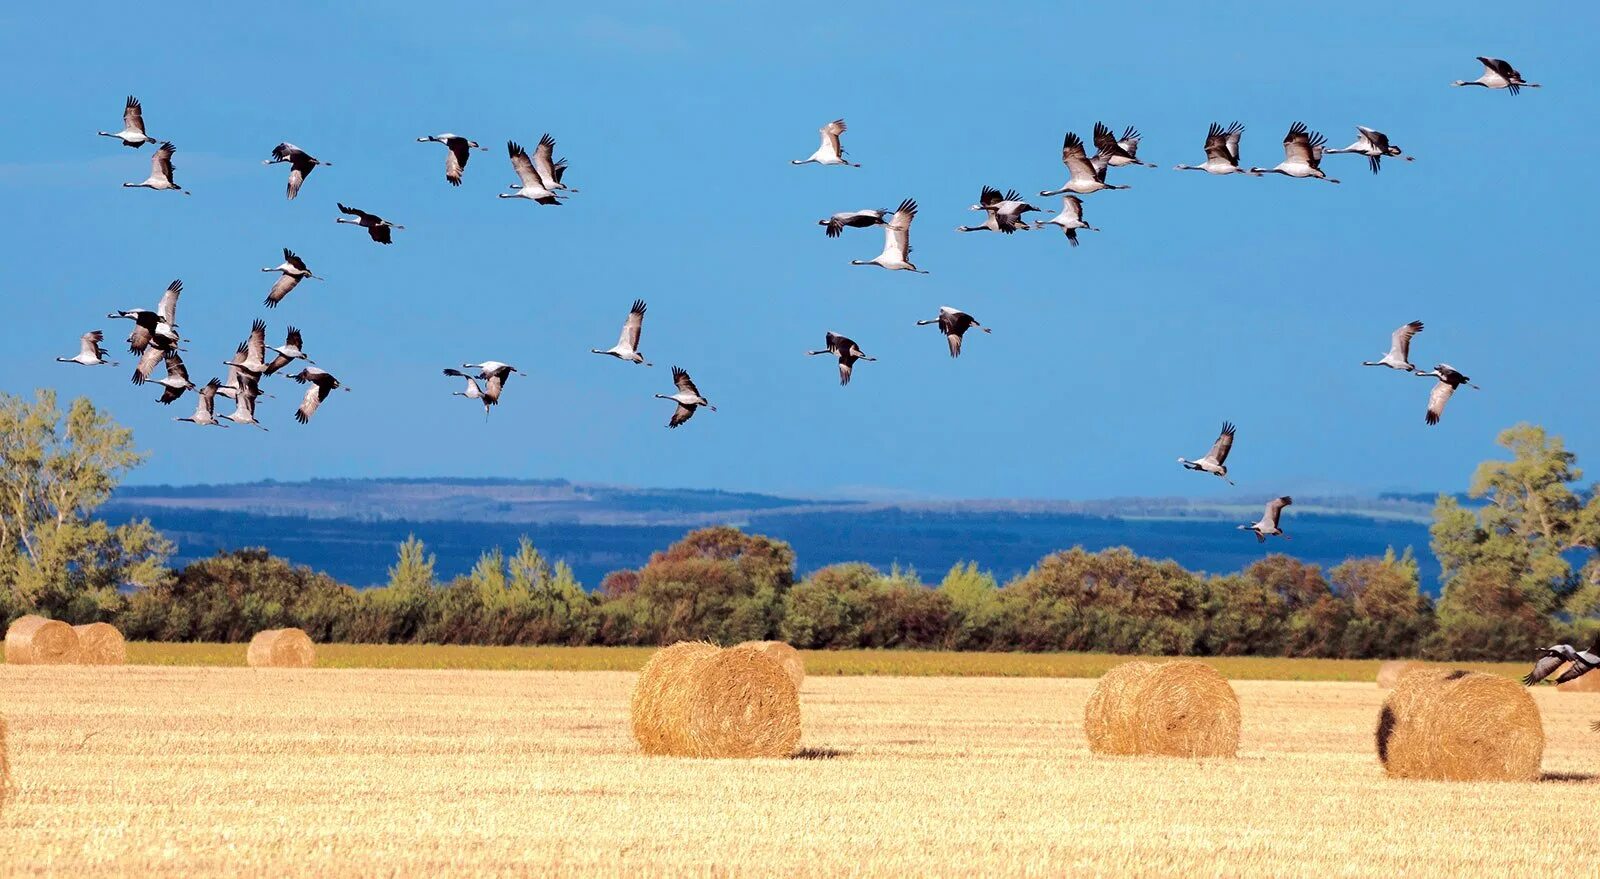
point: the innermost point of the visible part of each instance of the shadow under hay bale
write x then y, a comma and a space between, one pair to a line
1390, 673
101, 644
1449, 725
281, 648
1173, 709
694, 699
787, 656
34, 640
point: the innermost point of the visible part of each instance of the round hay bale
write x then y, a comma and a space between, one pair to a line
281, 648
1460, 726
1390, 673
1589, 683
34, 640
1107, 720
695, 700
665, 672
787, 656
1172, 709
101, 644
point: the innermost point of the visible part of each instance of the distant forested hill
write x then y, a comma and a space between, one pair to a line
349, 528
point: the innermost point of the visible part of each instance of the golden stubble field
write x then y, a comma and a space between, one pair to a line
225, 771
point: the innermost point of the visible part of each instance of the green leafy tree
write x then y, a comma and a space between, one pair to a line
1389, 614
1314, 617
233, 595
399, 611
831, 608
1508, 580
974, 598
55, 471
1111, 600
717, 584
1244, 616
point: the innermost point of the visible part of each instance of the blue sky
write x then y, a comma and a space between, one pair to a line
1204, 298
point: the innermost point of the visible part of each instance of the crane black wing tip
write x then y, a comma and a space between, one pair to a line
1430, 418
301, 417
1227, 428
546, 140
638, 307
908, 206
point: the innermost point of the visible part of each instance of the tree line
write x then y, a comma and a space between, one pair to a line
1519, 566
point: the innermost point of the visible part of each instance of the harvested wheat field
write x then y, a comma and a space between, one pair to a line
184, 771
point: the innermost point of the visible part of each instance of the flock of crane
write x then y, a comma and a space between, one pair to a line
155, 338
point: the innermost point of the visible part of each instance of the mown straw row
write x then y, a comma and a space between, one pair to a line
5, 767
1390, 673
1449, 725
1174, 709
694, 699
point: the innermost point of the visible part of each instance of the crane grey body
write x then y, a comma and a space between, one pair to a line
320, 383
1002, 213
89, 351
1557, 655
1117, 151
1216, 461
1083, 176
1374, 145
829, 152
292, 270
378, 229
1070, 220
1222, 151
846, 350
457, 150
300, 162
536, 185
205, 411
627, 347
688, 398
160, 178
1399, 355
1268, 526
1449, 378
1498, 74
132, 133
954, 323
1302, 155
896, 255
854, 219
